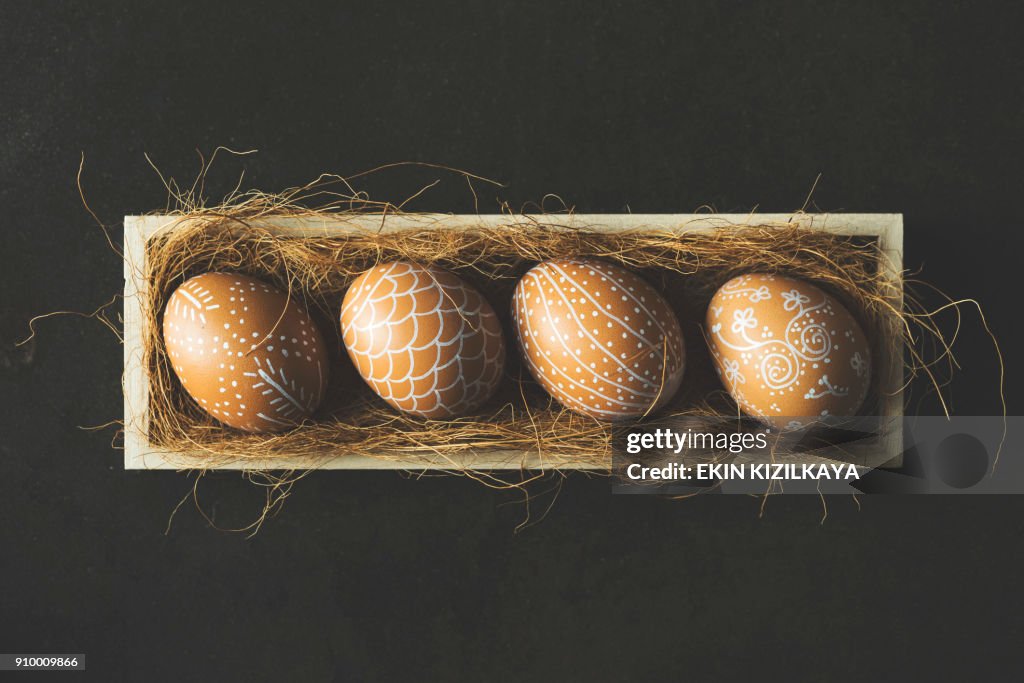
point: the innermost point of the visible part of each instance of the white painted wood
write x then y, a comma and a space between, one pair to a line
139, 454
135, 381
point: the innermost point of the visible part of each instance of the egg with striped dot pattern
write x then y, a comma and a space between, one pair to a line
425, 341
245, 351
598, 338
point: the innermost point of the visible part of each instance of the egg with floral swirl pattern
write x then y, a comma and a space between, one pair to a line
787, 352
425, 341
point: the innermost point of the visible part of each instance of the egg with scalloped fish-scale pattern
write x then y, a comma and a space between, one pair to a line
425, 341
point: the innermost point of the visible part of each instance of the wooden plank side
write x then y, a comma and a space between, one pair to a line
139, 454
867, 224
892, 372
135, 379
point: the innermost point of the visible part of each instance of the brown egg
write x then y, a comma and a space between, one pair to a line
601, 340
786, 351
249, 355
424, 340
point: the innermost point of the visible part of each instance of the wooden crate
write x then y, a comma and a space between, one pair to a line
140, 454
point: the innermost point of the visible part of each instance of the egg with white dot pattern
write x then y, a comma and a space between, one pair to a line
788, 352
425, 341
248, 354
598, 338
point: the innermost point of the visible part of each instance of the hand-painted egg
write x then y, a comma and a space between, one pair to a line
247, 353
598, 338
786, 351
424, 340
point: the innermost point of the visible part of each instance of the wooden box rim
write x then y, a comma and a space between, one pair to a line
139, 454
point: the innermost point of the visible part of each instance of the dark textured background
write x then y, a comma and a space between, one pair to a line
368, 576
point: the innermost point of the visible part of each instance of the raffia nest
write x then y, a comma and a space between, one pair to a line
521, 418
